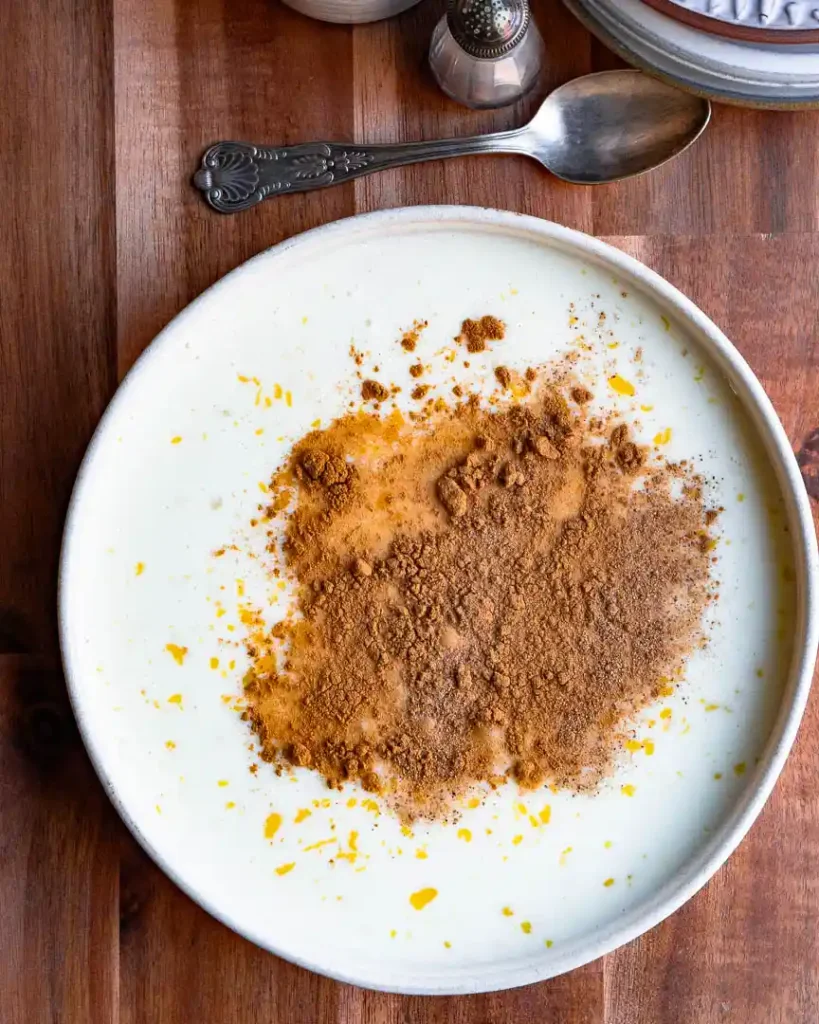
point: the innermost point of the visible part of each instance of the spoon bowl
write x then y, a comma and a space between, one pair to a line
595, 129
614, 124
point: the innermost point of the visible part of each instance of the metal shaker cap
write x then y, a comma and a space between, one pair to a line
487, 29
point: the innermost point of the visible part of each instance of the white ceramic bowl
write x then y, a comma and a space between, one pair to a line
350, 11
172, 475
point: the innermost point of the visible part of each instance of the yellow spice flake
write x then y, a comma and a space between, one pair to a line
465, 834
223, 783
176, 440
214, 663
272, 824
301, 814
628, 789
663, 437
517, 840
423, 898
421, 854
739, 769
526, 927
176, 652
665, 713
319, 844
621, 386
175, 698
284, 869
139, 568
545, 815
230, 805
447, 945
609, 882
170, 744
548, 943
352, 802
508, 912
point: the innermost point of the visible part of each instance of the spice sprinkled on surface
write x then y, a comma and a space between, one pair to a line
272, 824
176, 652
476, 333
423, 898
484, 597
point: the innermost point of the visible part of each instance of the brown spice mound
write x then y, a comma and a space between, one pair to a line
410, 338
475, 333
372, 391
518, 601
417, 370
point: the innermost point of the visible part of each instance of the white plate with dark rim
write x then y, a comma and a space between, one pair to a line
173, 474
751, 73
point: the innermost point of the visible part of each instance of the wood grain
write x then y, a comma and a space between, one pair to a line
107, 106
58, 884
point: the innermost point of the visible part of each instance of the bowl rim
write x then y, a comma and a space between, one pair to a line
710, 857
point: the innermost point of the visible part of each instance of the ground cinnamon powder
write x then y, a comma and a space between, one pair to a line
487, 599
475, 333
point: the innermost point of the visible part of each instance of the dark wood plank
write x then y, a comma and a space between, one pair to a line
59, 935
58, 887
57, 322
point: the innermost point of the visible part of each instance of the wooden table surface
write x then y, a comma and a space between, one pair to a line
105, 108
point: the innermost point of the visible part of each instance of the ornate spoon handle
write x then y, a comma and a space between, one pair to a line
236, 175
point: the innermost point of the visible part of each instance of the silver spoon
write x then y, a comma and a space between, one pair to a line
592, 130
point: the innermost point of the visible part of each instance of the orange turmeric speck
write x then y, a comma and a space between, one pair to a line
177, 653
423, 898
621, 386
272, 825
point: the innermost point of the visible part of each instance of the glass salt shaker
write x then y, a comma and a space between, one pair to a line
486, 53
